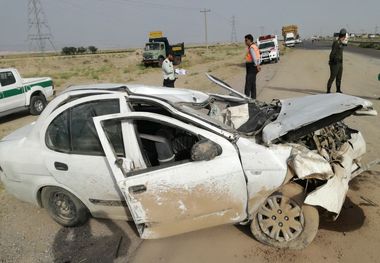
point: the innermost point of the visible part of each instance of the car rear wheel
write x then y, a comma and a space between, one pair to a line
64, 207
37, 104
284, 222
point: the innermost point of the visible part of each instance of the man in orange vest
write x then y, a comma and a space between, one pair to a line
252, 63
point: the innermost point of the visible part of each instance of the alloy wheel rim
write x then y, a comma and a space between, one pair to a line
39, 105
281, 218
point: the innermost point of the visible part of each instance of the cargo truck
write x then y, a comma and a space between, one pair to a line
291, 36
158, 47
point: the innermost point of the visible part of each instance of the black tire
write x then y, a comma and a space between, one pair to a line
64, 207
177, 60
37, 104
276, 60
293, 227
160, 61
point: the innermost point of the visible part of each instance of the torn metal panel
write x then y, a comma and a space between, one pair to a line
331, 195
299, 112
227, 87
309, 164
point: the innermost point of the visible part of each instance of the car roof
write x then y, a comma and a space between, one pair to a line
173, 95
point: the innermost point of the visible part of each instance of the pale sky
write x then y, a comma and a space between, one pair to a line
126, 23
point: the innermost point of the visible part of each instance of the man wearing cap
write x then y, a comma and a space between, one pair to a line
168, 71
252, 63
336, 61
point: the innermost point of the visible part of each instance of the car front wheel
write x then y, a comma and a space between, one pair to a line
64, 207
284, 222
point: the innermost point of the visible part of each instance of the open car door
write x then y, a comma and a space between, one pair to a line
183, 195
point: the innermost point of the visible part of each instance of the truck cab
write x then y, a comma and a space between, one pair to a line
290, 40
154, 52
17, 93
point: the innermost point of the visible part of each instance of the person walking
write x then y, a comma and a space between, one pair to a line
336, 61
252, 64
168, 71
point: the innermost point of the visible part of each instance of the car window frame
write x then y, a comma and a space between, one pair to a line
43, 133
14, 78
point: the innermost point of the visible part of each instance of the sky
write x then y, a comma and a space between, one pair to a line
109, 24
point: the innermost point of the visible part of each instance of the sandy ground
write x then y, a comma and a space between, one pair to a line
27, 234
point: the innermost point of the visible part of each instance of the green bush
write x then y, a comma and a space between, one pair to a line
367, 45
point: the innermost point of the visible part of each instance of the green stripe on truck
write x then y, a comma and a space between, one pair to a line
20, 90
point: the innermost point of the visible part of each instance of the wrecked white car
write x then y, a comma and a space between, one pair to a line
178, 160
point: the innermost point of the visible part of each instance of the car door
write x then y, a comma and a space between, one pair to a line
181, 196
74, 156
12, 90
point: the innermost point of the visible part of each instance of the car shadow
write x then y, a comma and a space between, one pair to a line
304, 91
82, 244
351, 218
14, 116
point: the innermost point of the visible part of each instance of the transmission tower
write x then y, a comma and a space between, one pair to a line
39, 31
233, 32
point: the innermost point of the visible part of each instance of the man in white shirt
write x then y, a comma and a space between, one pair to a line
168, 71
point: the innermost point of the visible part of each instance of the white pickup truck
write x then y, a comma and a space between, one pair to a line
17, 94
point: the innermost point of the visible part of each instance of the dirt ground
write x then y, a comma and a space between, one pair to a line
27, 234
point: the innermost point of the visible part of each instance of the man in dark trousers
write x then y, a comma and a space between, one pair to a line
336, 61
252, 63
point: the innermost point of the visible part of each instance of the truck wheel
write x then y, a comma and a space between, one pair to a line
160, 61
276, 60
284, 222
64, 207
37, 104
177, 60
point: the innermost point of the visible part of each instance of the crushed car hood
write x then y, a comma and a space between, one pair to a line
312, 113
298, 116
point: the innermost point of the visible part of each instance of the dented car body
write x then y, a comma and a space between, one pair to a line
182, 160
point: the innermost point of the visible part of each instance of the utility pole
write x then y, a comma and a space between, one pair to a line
233, 32
39, 30
205, 11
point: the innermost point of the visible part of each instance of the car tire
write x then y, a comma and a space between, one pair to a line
37, 104
283, 221
64, 207
276, 60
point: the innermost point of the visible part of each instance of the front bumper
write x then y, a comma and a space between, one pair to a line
268, 56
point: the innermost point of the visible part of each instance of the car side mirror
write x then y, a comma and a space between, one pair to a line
205, 150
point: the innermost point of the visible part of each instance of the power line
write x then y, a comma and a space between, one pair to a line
154, 4
39, 30
205, 11
233, 32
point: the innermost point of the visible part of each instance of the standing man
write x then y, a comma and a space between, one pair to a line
168, 71
252, 63
336, 61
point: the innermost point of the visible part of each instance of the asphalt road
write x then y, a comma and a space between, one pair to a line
327, 45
